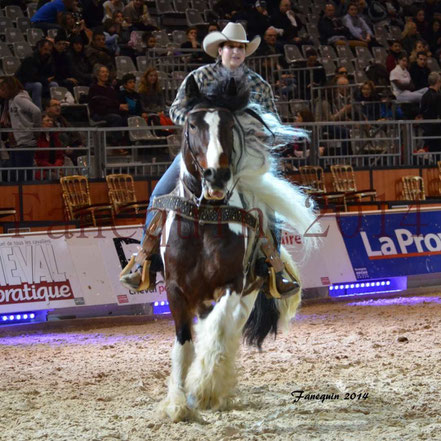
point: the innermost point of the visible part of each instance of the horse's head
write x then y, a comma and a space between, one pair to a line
208, 140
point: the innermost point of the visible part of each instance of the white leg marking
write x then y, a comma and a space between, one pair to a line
214, 146
212, 376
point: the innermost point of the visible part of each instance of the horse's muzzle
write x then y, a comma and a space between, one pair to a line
216, 179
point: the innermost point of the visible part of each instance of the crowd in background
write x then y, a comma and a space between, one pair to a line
91, 33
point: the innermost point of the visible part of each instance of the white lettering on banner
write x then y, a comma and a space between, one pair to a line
44, 291
29, 264
423, 244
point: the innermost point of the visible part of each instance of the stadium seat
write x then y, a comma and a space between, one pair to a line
4, 50
142, 63
380, 54
10, 65
364, 56
179, 37
52, 33
31, 9
194, 18
200, 5
22, 49
139, 135
161, 38
164, 7
344, 51
296, 105
13, 12
80, 91
23, 23
58, 93
180, 5
329, 66
292, 53
34, 35
395, 32
432, 64
327, 51
344, 62
360, 76
305, 48
5, 23
124, 65
14, 35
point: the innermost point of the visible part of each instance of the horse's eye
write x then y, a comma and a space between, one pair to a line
192, 126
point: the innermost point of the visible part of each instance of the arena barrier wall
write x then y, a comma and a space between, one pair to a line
80, 268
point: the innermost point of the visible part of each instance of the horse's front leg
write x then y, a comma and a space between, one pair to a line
175, 405
212, 375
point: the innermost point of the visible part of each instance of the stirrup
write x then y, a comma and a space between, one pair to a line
272, 284
146, 282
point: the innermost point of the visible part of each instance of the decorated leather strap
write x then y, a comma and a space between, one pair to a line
206, 214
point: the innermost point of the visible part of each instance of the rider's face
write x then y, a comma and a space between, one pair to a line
232, 54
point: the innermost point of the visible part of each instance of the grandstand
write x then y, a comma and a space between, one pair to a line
316, 65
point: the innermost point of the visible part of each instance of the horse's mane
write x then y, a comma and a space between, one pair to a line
229, 90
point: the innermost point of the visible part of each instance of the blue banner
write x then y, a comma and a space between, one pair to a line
391, 245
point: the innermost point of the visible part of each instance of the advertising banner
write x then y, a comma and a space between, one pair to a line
393, 244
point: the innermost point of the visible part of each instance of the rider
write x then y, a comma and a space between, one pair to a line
231, 47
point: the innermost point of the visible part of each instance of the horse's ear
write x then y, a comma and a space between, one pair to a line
232, 87
191, 88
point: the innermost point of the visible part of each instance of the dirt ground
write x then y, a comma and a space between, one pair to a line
101, 379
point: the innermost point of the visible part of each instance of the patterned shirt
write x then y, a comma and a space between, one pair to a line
260, 91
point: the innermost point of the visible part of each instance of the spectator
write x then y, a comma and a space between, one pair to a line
49, 15
312, 74
110, 7
152, 96
62, 68
93, 13
104, 102
409, 36
122, 28
256, 16
23, 114
421, 23
287, 23
75, 28
226, 8
376, 12
48, 158
193, 43
111, 37
97, 53
36, 72
419, 46
430, 108
270, 46
433, 36
392, 58
357, 26
129, 96
370, 105
79, 63
401, 82
331, 29
72, 140
419, 72
137, 16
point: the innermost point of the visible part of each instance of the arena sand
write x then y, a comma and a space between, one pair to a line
101, 379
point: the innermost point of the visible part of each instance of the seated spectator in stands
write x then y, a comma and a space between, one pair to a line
129, 96
336, 105
420, 46
409, 36
369, 100
395, 12
433, 36
36, 72
137, 15
63, 73
48, 158
392, 58
357, 26
312, 74
93, 13
288, 24
79, 63
110, 7
341, 7
111, 36
419, 72
331, 28
374, 13
193, 43
97, 53
72, 140
49, 15
257, 17
270, 46
226, 8
22, 114
430, 108
75, 28
421, 23
401, 82
104, 103
152, 96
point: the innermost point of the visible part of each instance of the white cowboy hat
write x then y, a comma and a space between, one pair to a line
232, 32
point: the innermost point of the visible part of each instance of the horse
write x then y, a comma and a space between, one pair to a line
213, 222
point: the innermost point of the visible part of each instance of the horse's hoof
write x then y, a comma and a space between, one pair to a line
178, 411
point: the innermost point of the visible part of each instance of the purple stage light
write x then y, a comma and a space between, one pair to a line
394, 284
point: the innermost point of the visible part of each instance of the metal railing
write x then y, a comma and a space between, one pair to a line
364, 144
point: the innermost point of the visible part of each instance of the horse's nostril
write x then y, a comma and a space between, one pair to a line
225, 174
209, 173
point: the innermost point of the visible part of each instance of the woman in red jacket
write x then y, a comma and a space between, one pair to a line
49, 158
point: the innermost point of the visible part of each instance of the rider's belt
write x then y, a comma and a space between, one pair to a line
216, 214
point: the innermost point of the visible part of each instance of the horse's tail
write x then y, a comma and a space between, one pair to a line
269, 315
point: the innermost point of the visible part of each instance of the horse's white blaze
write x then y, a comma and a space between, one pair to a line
212, 375
214, 149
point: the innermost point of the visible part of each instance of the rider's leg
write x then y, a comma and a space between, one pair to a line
146, 261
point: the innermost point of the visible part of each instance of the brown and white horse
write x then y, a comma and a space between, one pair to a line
205, 264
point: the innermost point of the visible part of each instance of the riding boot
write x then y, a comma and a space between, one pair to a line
280, 282
147, 260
